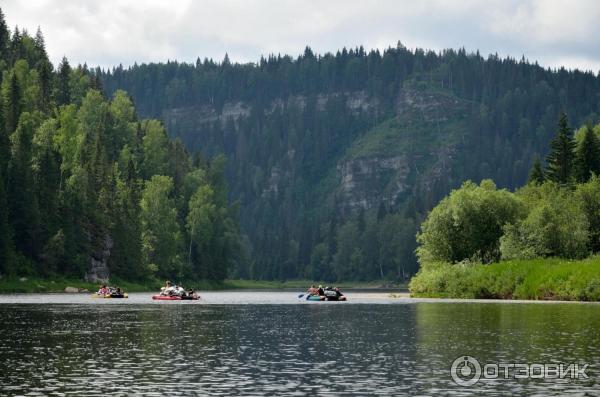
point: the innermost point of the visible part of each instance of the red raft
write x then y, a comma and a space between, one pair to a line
175, 298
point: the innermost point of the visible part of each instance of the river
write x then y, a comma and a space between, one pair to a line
271, 343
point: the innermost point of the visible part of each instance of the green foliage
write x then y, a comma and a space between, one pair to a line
587, 156
588, 195
516, 279
468, 224
83, 180
155, 146
556, 225
161, 236
201, 216
560, 160
413, 124
536, 175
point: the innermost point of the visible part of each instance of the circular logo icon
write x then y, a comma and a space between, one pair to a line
465, 371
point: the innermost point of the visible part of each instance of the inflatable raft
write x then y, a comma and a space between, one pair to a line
113, 296
320, 298
175, 298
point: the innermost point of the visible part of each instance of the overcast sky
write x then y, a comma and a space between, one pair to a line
108, 32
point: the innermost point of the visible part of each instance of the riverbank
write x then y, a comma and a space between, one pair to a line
32, 285
537, 279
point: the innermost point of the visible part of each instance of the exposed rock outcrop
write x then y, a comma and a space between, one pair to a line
364, 182
98, 270
190, 118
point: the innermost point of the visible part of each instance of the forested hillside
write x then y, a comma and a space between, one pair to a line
87, 189
336, 158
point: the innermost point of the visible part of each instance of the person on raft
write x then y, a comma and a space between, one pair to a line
321, 291
312, 290
168, 290
103, 290
174, 290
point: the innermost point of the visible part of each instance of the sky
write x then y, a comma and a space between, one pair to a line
112, 32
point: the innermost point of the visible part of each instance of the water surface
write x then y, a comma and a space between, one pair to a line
259, 343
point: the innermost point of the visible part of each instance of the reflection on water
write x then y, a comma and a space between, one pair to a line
270, 349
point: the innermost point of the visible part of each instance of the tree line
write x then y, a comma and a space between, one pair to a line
282, 160
556, 214
83, 180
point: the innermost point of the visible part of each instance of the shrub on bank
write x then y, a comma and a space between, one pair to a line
556, 279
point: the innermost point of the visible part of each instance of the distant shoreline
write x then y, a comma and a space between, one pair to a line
65, 285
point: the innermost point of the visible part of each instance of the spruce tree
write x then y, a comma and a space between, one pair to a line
536, 175
560, 160
587, 156
63, 90
4, 42
16, 46
12, 104
22, 202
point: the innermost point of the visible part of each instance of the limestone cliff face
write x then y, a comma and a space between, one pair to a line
191, 118
411, 155
365, 182
98, 271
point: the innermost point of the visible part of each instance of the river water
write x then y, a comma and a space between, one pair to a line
271, 343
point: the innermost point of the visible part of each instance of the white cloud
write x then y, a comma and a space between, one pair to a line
110, 32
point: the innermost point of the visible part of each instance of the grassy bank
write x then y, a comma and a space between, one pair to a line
540, 279
20, 285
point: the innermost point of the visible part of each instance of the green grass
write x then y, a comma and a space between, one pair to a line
300, 284
538, 279
15, 285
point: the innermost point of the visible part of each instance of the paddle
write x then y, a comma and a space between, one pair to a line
300, 296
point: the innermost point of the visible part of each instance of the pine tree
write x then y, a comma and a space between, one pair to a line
536, 175
560, 160
12, 104
24, 213
16, 46
40, 44
587, 156
45, 72
4, 42
63, 90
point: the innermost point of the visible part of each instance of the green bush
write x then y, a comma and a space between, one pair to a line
468, 224
556, 225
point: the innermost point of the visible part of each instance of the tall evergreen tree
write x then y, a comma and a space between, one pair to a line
587, 156
63, 89
4, 43
12, 103
24, 214
16, 46
45, 75
560, 160
536, 175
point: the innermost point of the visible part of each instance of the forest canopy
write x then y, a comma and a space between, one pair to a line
88, 188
